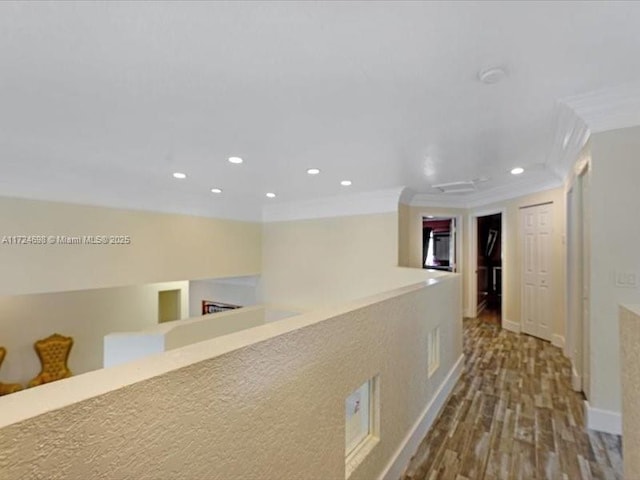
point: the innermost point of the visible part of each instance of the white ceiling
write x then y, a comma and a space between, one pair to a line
101, 102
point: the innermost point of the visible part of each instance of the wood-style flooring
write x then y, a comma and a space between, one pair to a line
513, 415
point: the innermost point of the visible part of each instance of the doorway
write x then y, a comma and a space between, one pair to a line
578, 281
489, 268
439, 241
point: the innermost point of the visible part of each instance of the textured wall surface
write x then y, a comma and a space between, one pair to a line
270, 409
205, 327
85, 315
630, 361
164, 247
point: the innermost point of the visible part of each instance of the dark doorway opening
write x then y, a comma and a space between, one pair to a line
489, 268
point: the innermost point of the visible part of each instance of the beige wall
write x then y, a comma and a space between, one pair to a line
164, 247
86, 315
615, 170
262, 404
512, 256
314, 263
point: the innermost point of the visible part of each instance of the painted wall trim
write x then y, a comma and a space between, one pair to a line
571, 134
243, 281
441, 200
557, 341
578, 116
608, 108
401, 458
362, 203
603, 420
493, 195
510, 325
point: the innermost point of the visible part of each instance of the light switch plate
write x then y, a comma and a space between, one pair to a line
626, 279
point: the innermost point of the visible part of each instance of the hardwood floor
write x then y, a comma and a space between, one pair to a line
513, 415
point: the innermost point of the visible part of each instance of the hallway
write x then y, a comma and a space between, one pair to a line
513, 415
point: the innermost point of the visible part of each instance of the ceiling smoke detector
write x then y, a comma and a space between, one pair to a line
456, 187
491, 75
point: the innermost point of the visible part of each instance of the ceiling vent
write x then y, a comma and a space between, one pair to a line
456, 187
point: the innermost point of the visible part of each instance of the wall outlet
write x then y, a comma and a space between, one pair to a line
626, 279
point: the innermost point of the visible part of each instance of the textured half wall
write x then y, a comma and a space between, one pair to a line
630, 361
268, 406
85, 315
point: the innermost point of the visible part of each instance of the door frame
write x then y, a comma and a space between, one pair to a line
439, 214
472, 294
577, 285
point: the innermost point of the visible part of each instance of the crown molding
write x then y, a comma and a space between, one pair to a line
444, 200
578, 116
363, 203
243, 281
609, 108
571, 134
487, 197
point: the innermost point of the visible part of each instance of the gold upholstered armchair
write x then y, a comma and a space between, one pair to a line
6, 388
53, 352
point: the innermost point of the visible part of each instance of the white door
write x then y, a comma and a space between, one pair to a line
537, 265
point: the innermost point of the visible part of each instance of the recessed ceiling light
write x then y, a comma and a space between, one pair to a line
313, 171
491, 75
517, 171
235, 160
345, 183
179, 175
216, 190
271, 195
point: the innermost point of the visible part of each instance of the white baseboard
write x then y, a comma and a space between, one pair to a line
557, 341
603, 420
511, 326
469, 313
398, 464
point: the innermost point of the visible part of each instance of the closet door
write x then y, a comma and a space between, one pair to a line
536, 270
